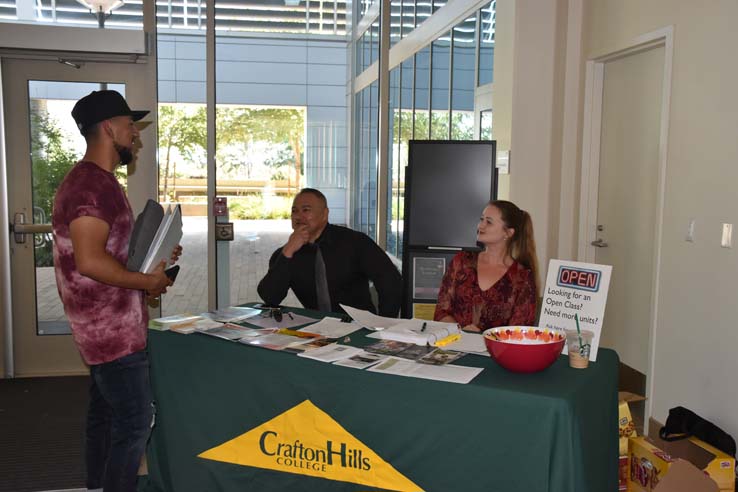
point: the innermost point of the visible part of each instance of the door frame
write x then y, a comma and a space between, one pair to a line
591, 135
142, 178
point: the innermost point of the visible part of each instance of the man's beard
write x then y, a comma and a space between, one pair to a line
124, 153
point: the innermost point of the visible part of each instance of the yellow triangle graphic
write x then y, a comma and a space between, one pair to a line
306, 440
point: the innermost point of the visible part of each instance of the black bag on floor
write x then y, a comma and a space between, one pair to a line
683, 423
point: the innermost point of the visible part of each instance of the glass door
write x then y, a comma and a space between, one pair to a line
42, 144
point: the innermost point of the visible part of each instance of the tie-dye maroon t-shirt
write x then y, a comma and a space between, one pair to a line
107, 322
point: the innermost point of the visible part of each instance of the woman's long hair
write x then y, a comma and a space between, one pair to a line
522, 245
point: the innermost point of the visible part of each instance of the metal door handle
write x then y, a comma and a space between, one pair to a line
32, 228
20, 228
599, 243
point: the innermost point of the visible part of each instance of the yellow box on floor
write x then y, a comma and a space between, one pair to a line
651, 457
626, 426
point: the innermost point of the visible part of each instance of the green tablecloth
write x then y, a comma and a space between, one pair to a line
553, 431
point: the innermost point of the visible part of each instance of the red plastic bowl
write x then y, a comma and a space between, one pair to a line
524, 348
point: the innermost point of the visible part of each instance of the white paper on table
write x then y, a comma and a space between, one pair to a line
449, 372
289, 320
471, 343
368, 319
331, 353
275, 341
231, 313
361, 360
332, 328
417, 331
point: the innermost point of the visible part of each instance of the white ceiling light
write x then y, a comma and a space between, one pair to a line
104, 6
292, 3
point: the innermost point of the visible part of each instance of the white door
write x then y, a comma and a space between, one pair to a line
628, 198
42, 142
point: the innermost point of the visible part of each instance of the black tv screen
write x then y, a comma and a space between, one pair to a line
450, 182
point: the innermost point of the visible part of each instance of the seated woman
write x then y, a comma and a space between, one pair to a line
497, 286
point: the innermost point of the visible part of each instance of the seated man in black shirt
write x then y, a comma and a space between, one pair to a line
327, 265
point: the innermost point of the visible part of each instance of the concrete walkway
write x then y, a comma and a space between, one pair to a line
255, 241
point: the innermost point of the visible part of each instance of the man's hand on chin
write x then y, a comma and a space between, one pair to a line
299, 238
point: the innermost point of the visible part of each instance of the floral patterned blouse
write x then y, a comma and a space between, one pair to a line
510, 301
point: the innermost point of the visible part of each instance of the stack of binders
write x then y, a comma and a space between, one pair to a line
155, 235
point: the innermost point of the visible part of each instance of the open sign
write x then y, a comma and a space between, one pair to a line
579, 278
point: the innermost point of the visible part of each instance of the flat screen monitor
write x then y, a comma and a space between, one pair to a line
450, 182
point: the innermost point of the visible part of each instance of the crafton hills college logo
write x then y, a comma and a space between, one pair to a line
307, 441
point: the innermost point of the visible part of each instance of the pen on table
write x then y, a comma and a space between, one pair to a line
290, 315
425, 325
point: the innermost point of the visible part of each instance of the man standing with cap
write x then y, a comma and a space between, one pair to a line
104, 302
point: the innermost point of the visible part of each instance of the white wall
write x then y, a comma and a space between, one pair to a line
502, 87
695, 363
537, 101
694, 360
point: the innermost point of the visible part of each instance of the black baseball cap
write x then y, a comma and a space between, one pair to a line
98, 106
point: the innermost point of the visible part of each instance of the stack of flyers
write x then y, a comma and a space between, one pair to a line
361, 360
331, 352
281, 339
298, 349
415, 352
229, 331
201, 324
440, 357
232, 313
387, 347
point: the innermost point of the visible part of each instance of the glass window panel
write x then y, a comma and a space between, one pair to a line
462, 95
405, 134
485, 125
129, 15
437, 4
440, 88
487, 44
365, 183
183, 15
371, 183
422, 95
395, 21
366, 58
182, 159
408, 17
358, 52
290, 16
393, 156
56, 145
423, 11
374, 42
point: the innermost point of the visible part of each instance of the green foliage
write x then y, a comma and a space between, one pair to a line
283, 129
183, 130
252, 207
280, 132
462, 125
51, 159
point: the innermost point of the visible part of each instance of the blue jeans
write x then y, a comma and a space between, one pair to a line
119, 419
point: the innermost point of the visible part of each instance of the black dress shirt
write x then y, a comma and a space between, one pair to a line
351, 260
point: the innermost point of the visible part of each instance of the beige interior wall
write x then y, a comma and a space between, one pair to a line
694, 360
693, 355
502, 87
537, 123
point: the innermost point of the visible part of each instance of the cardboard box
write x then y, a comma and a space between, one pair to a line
627, 427
652, 460
623, 470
